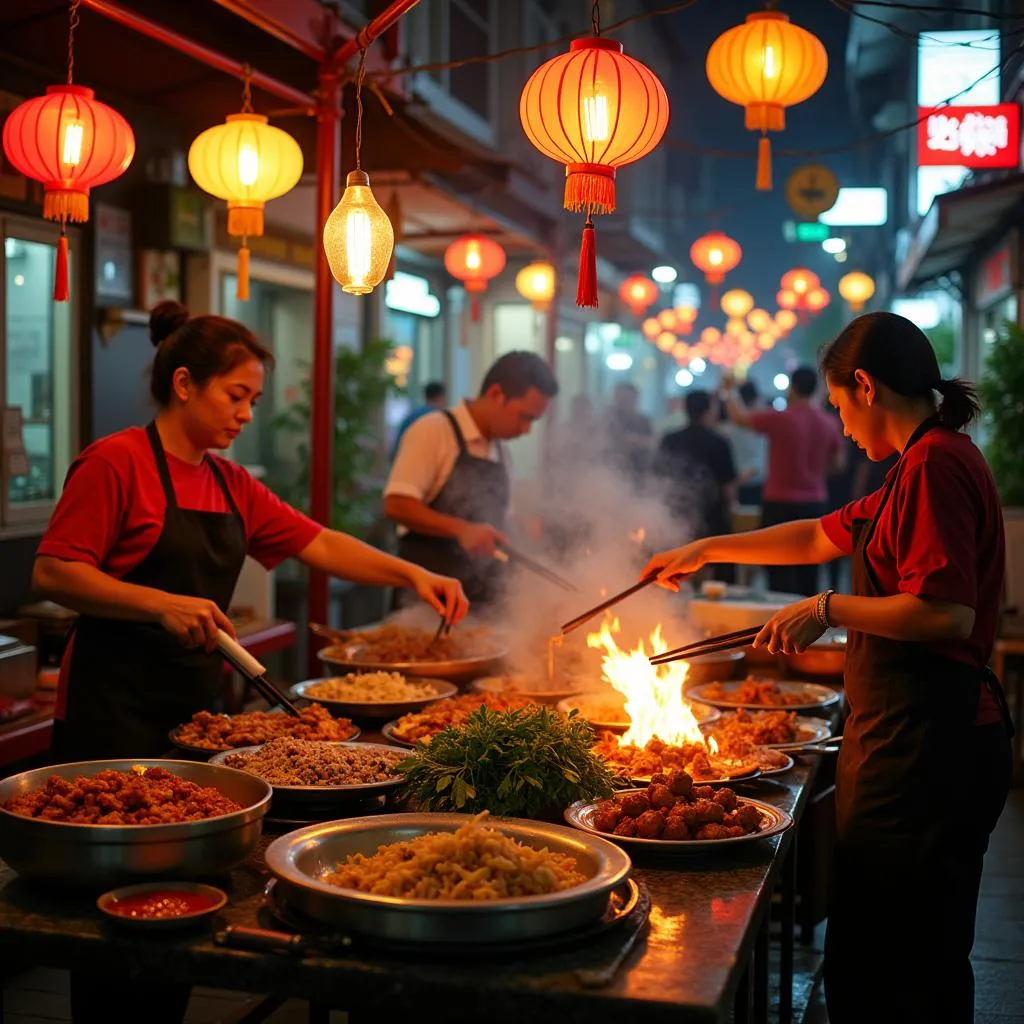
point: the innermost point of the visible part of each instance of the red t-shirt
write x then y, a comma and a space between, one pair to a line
939, 536
111, 511
801, 442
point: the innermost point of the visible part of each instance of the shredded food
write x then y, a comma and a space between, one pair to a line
476, 862
393, 644
208, 731
422, 725
287, 761
371, 687
143, 796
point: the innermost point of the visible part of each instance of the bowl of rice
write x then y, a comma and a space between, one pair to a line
426, 877
373, 696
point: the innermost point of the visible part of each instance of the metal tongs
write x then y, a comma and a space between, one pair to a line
238, 656
712, 645
507, 554
580, 620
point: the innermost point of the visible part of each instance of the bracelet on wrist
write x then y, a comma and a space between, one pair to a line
821, 610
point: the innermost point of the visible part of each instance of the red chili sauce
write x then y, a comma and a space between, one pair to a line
161, 904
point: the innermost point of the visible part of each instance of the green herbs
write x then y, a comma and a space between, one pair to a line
531, 762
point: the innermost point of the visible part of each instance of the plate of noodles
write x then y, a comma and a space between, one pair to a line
425, 877
373, 696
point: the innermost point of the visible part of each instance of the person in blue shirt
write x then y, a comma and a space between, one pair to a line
435, 396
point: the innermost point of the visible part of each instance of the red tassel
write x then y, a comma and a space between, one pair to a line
764, 164
242, 287
586, 282
474, 309
61, 292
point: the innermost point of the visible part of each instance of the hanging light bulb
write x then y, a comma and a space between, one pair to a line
358, 237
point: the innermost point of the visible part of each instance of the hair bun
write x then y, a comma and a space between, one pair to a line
165, 318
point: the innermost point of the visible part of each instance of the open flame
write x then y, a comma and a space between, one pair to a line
654, 693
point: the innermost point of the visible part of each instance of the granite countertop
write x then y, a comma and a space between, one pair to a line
705, 913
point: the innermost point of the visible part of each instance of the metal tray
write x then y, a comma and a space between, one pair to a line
375, 711
298, 860
462, 670
817, 696
781, 770
502, 685
207, 751
111, 854
811, 730
300, 802
387, 730
773, 822
704, 713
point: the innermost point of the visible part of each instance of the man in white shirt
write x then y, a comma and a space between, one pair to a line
449, 487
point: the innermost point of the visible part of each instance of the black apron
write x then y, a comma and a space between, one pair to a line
919, 788
130, 683
478, 491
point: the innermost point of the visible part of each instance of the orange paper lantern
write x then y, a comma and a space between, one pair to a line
666, 341
651, 328
668, 319
765, 65
799, 281
856, 287
474, 260
593, 109
715, 254
786, 320
817, 299
70, 142
710, 335
685, 317
736, 303
638, 292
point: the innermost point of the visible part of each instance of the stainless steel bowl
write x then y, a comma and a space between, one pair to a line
300, 858
825, 657
375, 711
350, 658
710, 667
110, 854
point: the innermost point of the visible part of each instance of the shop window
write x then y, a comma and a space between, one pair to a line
38, 379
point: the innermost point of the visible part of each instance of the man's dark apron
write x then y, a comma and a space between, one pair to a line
130, 683
919, 788
478, 491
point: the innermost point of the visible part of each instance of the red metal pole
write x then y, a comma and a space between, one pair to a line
196, 50
322, 385
373, 29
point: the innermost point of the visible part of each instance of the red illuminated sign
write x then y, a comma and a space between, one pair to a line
976, 137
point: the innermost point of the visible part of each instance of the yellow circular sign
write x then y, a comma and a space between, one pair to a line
811, 190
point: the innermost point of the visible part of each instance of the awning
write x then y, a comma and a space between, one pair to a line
957, 226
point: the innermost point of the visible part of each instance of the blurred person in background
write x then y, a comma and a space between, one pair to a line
435, 397
840, 493
749, 450
579, 437
697, 465
804, 446
629, 434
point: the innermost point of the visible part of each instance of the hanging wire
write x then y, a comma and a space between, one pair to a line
360, 75
595, 17
246, 89
72, 25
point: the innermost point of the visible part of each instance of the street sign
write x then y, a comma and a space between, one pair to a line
805, 231
811, 190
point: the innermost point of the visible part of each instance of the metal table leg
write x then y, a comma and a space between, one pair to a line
787, 935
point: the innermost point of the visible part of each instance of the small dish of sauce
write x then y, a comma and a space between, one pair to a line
162, 904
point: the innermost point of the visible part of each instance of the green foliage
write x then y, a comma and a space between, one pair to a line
1002, 397
530, 762
943, 339
361, 384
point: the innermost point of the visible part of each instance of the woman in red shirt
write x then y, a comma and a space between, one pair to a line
925, 763
149, 537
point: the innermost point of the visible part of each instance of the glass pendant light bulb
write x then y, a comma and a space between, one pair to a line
358, 238
594, 108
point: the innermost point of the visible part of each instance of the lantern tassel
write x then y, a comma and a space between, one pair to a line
242, 290
586, 282
764, 164
61, 291
474, 309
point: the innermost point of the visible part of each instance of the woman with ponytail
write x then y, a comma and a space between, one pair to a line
926, 762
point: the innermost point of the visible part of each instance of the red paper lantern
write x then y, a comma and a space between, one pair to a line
715, 254
638, 292
799, 281
70, 142
474, 260
593, 109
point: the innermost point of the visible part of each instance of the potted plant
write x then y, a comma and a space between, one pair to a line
1002, 395
361, 385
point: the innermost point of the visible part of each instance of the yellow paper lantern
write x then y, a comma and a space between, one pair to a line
358, 238
651, 328
666, 341
764, 66
685, 317
667, 319
247, 162
766, 341
710, 335
817, 299
735, 326
536, 283
680, 351
856, 287
759, 319
786, 319
736, 303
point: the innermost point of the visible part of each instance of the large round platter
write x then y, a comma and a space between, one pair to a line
809, 730
67, 853
317, 803
510, 683
780, 769
208, 751
375, 711
299, 859
349, 658
704, 713
739, 775
773, 822
387, 730
814, 695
